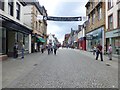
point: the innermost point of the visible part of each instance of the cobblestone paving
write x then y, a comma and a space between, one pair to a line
68, 69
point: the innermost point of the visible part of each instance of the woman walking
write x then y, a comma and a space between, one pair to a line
110, 52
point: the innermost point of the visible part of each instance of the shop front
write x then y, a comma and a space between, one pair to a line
113, 38
82, 43
37, 40
95, 37
12, 32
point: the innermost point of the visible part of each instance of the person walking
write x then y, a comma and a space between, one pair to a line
55, 49
42, 48
94, 50
110, 52
15, 49
22, 50
49, 47
99, 51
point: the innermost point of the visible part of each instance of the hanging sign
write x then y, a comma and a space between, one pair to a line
63, 18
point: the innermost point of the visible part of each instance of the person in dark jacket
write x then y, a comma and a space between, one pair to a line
15, 49
99, 51
55, 49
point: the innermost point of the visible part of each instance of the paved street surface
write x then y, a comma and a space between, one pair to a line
70, 68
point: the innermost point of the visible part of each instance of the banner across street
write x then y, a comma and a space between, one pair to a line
63, 18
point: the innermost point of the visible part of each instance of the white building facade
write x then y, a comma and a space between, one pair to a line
113, 25
13, 29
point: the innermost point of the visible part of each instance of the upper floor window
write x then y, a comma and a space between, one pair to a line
36, 25
110, 4
93, 17
110, 22
118, 1
93, 3
18, 11
99, 13
119, 18
1, 5
10, 7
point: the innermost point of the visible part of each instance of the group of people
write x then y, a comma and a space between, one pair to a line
52, 49
98, 50
15, 50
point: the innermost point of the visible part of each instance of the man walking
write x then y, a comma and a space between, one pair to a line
49, 47
55, 49
99, 51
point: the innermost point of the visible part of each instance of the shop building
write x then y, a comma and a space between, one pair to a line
12, 29
113, 25
95, 29
39, 27
81, 36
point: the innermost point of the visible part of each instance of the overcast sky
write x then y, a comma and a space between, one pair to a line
63, 8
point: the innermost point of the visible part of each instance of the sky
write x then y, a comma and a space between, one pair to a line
63, 8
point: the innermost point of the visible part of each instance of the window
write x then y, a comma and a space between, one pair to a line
110, 4
36, 25
88, 19
93, 3
99, 13
93, 17
119, 18
18, 11
110, 22
118, 1
2, 5
10, 7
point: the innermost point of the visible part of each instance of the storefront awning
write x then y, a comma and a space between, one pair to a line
40, 39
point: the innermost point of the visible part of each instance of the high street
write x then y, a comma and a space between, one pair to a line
70, 68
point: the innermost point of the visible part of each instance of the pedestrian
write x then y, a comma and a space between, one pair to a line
110, 52
42, 48
49, 47
55, 48
99, 51
94, 50
22, 50
15, 49
51, 50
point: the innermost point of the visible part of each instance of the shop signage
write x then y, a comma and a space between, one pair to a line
89, 37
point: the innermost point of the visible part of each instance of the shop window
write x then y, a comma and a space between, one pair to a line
110, 22
18, 11
2, 41
2, 5
10, 7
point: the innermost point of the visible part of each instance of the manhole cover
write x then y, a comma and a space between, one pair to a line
107, 64
35, 64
